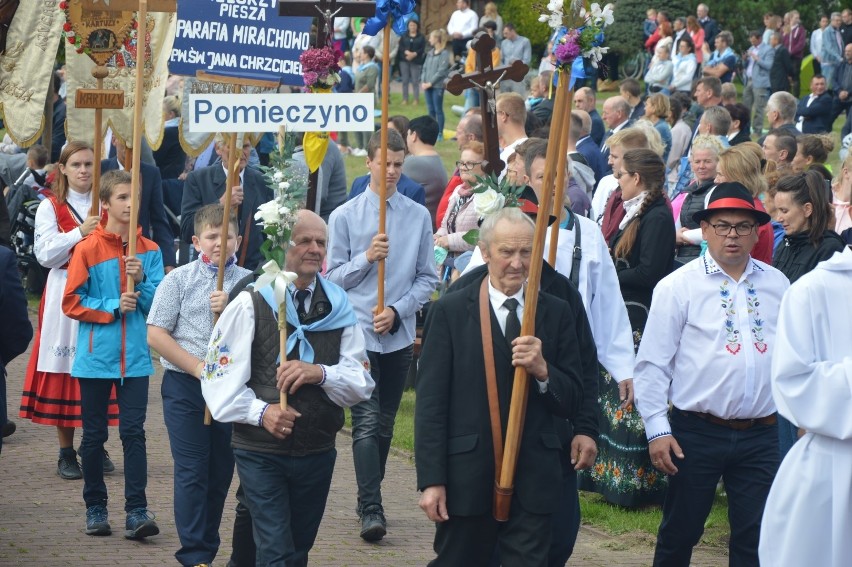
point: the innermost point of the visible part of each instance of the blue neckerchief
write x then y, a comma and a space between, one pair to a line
363, 66
342, 315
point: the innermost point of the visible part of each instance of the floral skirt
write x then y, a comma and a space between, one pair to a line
623, 472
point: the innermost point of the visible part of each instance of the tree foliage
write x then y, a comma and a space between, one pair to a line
524, 15
624, 36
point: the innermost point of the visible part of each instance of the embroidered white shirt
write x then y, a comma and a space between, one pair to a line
707, 345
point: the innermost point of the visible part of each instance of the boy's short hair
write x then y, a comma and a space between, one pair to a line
110, 180
38, 155
631, 87
395, 143
210, 216
369, 51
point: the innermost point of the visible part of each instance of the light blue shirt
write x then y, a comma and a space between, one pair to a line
410, 276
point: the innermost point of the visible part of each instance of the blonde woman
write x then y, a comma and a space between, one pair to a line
490, 15
436, 69
657, 109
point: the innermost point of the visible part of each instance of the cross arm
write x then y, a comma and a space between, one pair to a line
459, 82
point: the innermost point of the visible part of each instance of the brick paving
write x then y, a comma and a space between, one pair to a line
42, 516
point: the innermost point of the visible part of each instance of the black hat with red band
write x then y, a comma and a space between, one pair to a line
731, 196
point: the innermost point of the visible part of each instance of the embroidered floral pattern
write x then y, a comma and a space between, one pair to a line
756, 322
63, 351
731, 332
218, 358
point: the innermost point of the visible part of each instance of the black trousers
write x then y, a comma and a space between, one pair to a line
746, 460
523, 541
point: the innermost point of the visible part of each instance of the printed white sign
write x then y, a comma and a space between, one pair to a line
304, 112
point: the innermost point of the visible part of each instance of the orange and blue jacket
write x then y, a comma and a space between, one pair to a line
110, 344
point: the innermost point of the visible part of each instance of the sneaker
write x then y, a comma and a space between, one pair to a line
358, 152
97, 521
373, 524
109, 466
68, 468
8, 428
140, 524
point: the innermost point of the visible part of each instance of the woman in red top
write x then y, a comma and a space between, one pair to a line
51, 396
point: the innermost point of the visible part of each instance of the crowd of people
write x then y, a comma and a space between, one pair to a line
670, 350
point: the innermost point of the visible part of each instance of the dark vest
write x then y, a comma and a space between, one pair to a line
693, 203
315, 431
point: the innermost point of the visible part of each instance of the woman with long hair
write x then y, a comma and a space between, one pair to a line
643, 250
803, 210
685, 64
436, 69
696, 33
461, 215
742, 164
51, 396
812, 151
489, 14
409, 58
657, 109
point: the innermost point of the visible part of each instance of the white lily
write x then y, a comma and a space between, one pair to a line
273, 274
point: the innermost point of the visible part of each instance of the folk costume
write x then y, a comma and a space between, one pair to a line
51, 396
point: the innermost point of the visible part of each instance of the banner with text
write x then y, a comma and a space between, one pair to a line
303, 112
235, 38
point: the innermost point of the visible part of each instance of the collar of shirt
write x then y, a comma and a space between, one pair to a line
373, 197
711, 267
311, 288
620, 126
225, 169
497, 299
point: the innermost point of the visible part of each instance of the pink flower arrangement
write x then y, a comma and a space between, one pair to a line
568, 48
320, 67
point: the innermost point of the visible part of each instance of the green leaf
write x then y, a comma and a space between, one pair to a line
279, 256
471, 237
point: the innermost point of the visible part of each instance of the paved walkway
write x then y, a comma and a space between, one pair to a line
42, 517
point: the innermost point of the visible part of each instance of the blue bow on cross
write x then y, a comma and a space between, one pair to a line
401, 10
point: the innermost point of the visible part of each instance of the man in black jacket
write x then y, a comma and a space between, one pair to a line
207, 185
781, 71
814, 109
453, 442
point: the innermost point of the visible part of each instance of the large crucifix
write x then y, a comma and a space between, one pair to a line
325, 11
487, 79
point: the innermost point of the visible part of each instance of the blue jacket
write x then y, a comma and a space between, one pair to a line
406, 186
110, 344
594, 158
762, 66
818, 117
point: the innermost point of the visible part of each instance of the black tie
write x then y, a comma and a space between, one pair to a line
301, 296
513, 324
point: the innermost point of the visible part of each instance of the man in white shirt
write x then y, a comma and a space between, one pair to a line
462, 26
707, 349
285, 457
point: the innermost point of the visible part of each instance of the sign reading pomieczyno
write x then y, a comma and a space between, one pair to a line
305, 112
239, 38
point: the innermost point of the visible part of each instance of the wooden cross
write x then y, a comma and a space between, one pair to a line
325, 11
487, 80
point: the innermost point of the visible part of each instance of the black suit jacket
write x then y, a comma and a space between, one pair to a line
152, 211
16, 330
206, 185
594, 158
781, 70
817, 116
452, 428
557, 285
598, 128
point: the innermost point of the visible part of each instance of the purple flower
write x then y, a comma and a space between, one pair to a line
310, 78
568, 49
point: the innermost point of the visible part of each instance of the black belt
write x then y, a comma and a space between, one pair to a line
738, 424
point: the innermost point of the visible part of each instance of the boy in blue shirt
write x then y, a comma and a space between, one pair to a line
179, 327
112, 350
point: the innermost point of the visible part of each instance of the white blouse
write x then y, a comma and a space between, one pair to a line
53, 247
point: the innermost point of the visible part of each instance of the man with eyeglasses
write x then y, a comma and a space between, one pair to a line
706, 349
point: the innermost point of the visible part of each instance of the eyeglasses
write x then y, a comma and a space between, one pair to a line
742, 229
621, 174
467, 165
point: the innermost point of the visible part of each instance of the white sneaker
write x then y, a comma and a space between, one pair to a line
457, 110
358, 152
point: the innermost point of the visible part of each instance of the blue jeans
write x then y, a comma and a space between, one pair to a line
286, 496
746, 460
788, 434
373, 421
435, 106
132, 397
204, 467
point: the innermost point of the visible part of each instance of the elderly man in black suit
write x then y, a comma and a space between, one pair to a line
152, 211
207, 185
454, 447
813, 113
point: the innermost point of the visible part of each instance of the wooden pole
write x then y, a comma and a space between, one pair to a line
520, 387
99, 72
282, 309
559, 196
383, 156
142, 31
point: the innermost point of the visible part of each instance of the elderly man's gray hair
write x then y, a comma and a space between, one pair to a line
511, 214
